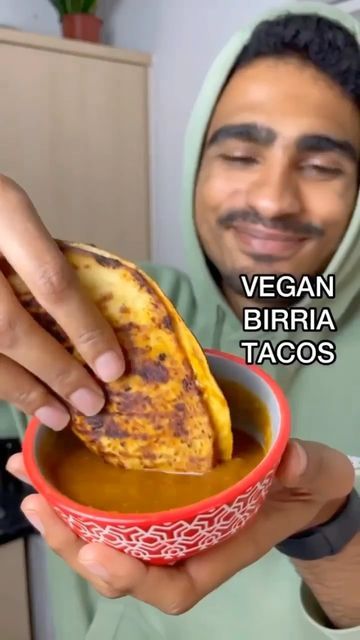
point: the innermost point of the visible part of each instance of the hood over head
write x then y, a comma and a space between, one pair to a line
345, 264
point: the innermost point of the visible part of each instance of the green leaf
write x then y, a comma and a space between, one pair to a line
71, 6
59, 5
74, 6
78, 5
89, 5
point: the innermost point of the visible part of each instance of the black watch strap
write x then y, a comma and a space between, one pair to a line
327, 539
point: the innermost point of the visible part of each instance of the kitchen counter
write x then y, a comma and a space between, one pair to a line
13, 524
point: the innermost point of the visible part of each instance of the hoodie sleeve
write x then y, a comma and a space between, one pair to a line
313, 611
317, 619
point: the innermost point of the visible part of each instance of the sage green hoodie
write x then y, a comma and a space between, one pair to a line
267, 599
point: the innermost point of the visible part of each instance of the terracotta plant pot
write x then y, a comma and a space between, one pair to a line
82, 26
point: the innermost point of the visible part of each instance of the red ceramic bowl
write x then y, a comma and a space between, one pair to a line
167, 537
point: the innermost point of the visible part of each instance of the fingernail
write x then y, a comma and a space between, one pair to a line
87, 401
302, 458
97, 569
17, 475
109, 366
34, 520
54, 417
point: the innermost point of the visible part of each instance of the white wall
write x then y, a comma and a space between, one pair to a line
32, 15
184, 36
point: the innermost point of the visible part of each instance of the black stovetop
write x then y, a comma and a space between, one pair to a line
13, 524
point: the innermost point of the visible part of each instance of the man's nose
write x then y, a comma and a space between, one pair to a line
275, 192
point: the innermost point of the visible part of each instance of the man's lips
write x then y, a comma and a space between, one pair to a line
268, 241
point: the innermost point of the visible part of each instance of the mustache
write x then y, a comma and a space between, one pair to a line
285, 222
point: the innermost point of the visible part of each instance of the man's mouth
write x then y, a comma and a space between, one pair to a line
262, 241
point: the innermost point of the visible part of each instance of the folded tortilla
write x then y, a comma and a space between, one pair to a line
166, 412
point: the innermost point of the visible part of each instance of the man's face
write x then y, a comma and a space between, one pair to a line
278, 178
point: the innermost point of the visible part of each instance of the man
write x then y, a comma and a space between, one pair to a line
271, 184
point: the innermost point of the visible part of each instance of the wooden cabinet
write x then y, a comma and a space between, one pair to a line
74, 134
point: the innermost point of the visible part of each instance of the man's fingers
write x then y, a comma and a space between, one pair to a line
30, 396
311, 466
175, 590
15, 466
56, 286
57, 534
170, 589
25, 342
54, 283
60, 539
112, 573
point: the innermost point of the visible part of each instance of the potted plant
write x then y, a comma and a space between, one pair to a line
78, 19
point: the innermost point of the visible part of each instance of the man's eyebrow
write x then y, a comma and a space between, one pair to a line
321, 143
247, 131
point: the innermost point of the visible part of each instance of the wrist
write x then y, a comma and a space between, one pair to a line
327, 513
326, 537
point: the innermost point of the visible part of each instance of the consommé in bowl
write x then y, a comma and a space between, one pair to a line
163, 518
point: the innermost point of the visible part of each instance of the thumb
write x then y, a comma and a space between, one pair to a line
316, 469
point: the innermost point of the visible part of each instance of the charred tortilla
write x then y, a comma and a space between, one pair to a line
166, 412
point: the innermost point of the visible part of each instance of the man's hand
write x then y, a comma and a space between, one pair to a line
312, 483
44, 372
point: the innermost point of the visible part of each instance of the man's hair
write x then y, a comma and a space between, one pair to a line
324, 43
